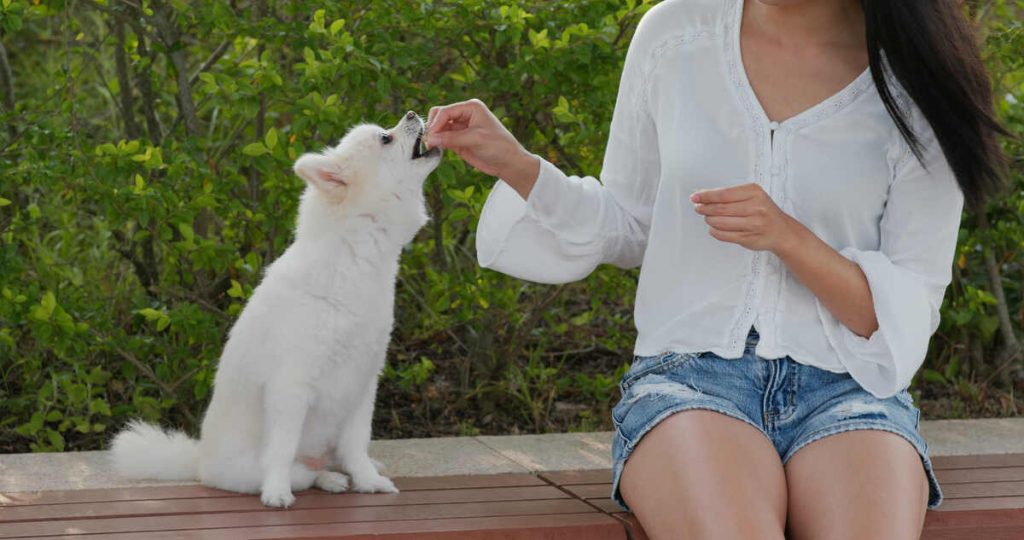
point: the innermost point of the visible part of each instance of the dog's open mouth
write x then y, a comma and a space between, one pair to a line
419, 148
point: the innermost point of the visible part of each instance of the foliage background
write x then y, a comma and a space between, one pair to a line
145, 153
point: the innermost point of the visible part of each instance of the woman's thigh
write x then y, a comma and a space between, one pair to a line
699, 474
856, 484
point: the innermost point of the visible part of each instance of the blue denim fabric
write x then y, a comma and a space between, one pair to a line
790, 403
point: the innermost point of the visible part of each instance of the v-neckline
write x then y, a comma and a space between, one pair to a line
814, 113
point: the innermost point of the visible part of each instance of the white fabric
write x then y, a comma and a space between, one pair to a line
686, 118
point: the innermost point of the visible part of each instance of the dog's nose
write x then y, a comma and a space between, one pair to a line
411, 115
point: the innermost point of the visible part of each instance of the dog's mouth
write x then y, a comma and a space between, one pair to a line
419, 148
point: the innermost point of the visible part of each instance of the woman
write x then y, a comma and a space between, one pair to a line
794, 196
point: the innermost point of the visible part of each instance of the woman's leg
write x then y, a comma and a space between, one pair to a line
856, 484
703, 475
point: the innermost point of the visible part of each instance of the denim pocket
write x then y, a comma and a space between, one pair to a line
648, 365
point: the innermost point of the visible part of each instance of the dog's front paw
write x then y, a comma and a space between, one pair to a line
332, 482
277, 498
373, 484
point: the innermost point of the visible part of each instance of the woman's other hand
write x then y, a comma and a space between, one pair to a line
747, 216
472, 131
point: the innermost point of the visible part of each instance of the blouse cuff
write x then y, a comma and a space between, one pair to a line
512, 238
502, 210
884, 363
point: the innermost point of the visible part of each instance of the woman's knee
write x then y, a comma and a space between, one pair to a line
705, 475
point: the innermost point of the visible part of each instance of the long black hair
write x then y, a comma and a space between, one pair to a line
931, 49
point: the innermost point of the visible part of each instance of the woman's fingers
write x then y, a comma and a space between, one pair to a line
726, 195
734, 237
738, 224
452, 139
747, 207
454, 116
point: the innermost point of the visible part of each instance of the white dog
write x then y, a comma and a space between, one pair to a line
296, 384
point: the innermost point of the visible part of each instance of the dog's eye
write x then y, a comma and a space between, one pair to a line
385, 138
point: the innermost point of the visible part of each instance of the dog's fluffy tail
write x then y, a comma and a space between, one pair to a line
143, 450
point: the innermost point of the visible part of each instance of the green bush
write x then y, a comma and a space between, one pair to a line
145, 183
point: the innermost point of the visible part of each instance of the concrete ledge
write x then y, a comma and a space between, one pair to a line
479, 455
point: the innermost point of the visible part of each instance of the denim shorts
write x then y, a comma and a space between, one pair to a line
791, 404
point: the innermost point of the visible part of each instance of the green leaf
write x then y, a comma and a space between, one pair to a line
4, 202
140, 184
236, 290
44, 310
99, 406
952, 368
56, 440
271, 139
933, 376
186, 231
255, 149
150, 314
336, 26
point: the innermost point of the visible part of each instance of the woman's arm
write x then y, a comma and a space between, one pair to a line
747, 216
542, 225
881, 337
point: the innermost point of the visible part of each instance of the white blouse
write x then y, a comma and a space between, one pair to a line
687, 118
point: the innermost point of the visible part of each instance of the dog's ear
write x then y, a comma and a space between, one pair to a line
322, 172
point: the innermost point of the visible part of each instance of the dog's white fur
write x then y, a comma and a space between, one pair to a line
298, 376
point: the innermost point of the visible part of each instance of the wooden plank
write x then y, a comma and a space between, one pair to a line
111, 494
974, 533
305, 501
978, 461
985, 474
467, 481
590, 491
569, 478
983, 489
579, 526
199, 491
605, 505
981, 503
978, 518
273, 517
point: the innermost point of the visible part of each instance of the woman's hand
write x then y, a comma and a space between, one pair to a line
747, 216
472, 131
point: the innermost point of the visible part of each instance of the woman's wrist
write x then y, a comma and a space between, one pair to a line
521, 173
791, 239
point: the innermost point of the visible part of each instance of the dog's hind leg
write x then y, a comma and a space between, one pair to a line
284, 409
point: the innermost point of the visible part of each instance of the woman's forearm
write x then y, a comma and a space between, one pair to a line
836, 281
522, 173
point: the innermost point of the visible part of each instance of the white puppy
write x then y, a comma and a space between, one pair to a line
296, 383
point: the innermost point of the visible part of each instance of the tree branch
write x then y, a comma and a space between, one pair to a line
145, 370
131, 128
163, 18
7, 87
145, 84
216, 55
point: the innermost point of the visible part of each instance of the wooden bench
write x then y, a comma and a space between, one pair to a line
984, 500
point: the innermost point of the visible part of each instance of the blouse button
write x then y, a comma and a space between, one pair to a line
773, 125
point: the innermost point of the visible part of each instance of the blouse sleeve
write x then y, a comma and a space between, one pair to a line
908, 274
570, 224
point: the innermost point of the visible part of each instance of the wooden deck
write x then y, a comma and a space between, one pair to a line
984, 500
